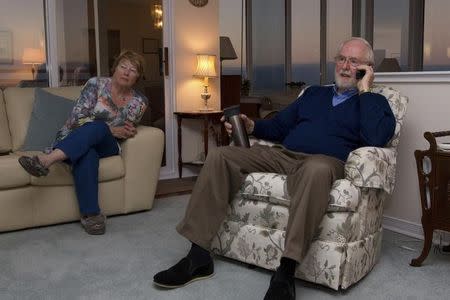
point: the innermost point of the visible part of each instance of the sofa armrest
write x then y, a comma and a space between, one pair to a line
142, 157
372, 167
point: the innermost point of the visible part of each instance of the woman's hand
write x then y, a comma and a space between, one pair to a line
124, 132
248, 123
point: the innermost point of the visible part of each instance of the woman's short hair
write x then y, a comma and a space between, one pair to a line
134, 58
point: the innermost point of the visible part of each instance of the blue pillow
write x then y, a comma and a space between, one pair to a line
49, 114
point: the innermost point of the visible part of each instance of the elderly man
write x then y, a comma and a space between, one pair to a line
315, 135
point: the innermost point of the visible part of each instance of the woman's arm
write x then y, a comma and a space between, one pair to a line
84, 107
135, 112
82, 111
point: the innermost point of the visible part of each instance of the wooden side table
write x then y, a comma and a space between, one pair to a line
433, 170
208, 117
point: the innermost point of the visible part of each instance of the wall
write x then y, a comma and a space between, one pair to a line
195, 31
428, 110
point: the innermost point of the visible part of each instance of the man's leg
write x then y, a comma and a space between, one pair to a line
219, 180
309, 187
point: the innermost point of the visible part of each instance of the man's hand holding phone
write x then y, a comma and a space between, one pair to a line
364, 75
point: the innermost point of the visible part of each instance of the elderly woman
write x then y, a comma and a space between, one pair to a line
106, 112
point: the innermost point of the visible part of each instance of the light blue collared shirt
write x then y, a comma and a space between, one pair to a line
340, 98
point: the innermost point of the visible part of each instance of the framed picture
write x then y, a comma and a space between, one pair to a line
6, 55
150, 46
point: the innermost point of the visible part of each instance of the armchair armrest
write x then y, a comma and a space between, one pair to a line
254, 141
142, 157
372, 167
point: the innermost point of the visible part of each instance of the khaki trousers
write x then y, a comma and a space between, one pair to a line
309, 181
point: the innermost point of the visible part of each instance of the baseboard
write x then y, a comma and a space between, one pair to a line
412, 229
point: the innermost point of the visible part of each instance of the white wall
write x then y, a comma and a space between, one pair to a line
195, 31
428, 110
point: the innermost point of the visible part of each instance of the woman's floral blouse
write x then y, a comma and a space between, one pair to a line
95, 103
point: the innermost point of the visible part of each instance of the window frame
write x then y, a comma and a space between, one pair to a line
362, 25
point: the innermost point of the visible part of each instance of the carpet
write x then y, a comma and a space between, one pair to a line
63, 262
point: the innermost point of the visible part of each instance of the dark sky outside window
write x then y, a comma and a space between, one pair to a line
306, 41
436, 48
268, 45
390, 33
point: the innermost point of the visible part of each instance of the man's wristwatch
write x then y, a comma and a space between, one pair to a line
368, 90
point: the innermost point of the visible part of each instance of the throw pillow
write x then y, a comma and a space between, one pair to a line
49, 114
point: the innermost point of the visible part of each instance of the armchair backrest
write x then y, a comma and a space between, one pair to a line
398, 105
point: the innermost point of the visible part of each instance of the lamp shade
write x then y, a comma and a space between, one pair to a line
389, 65
226, 49
206, 66
32, 56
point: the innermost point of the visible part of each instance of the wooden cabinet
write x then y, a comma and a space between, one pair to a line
433, 170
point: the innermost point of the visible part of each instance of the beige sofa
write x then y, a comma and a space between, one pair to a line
127, 183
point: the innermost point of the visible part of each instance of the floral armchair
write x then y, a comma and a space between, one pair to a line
348, 240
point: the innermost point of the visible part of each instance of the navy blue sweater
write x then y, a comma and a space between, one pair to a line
311, 124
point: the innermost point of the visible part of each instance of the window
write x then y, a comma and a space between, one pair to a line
268, 46
22, 43
339, 28
286, 42
390, 35
232, 26
305, 43
436, 43
75, 41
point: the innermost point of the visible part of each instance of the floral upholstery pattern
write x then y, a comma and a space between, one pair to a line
372, 167
348, 241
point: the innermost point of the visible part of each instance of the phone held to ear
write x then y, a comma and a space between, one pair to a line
360, 74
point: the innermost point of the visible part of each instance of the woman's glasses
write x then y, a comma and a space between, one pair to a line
131, 69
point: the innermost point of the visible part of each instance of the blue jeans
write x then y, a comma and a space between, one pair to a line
84, 147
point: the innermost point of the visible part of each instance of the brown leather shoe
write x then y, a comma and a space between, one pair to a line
33, 166
95, 225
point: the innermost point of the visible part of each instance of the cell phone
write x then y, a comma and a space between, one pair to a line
360, 74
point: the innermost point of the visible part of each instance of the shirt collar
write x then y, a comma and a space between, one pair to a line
347, 94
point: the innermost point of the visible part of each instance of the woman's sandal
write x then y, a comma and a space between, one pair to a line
95, 225
33, 166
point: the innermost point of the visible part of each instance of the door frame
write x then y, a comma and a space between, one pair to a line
170, 169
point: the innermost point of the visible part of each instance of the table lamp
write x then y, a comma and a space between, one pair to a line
226, 50
32, 56
205, 69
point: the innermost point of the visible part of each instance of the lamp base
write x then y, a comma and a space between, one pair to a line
205, 96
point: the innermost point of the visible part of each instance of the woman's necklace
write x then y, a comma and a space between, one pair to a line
121, 99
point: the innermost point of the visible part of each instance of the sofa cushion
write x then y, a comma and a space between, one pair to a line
258, 213
267, 187
11, 173
49, 114
272, 188
19, 104
5, 135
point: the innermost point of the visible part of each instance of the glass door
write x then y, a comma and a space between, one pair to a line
135, 25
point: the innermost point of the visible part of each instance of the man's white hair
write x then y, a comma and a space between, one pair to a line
370, 55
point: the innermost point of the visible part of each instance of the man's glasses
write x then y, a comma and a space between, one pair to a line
131, 69
354, 62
